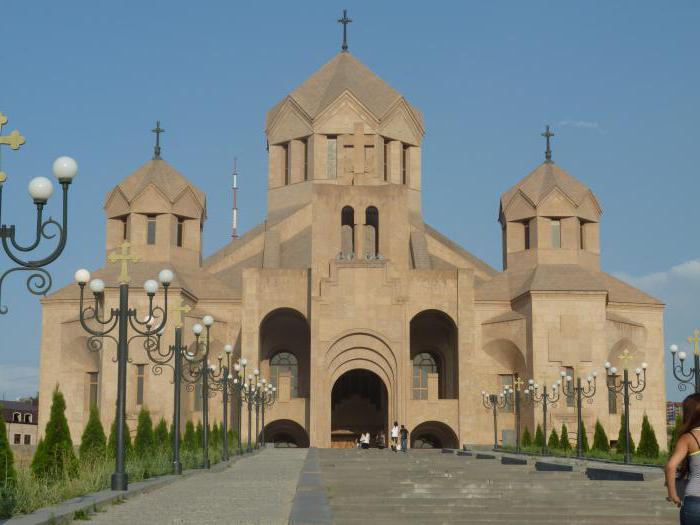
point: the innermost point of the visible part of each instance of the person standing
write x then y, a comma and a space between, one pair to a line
395, 437
686, 455
404, 439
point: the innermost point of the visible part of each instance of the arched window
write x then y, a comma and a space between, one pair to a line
17, 417
347, 233
423, 364
27, 418
285, 362
372, 232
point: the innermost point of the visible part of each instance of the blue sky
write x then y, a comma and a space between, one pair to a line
618, 81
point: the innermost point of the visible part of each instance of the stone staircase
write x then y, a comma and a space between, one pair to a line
428, 487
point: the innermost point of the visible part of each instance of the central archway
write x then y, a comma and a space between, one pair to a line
359, 403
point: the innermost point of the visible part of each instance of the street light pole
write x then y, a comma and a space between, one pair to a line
493, 402
691, 376
121, 318
625, 387
267, 399
579, 392
546, 399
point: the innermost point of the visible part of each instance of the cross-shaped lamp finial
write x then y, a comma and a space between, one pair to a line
123, 257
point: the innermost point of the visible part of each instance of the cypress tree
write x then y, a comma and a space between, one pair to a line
620, 447
564, 443
214, 441
600, 438
553, 442
93, 443
143, 444
161, 435
7, 460
526, 438
112, 442
190, 440
198, 434
539, 437
232, 438
648, 446
584, 438
55, 457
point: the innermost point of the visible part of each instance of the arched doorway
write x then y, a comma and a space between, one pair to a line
285, 433
359, 403
433, 434
433, 336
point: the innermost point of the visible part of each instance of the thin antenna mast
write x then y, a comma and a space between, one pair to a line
234, 233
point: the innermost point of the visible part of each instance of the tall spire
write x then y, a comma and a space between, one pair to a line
345, 21
234, 233
548, 152
157, 130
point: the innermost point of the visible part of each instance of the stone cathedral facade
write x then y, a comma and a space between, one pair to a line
359, 312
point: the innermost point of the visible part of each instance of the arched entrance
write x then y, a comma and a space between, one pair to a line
433, 434
359, 403
285, 433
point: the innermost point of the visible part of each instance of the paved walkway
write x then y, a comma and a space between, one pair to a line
255, 490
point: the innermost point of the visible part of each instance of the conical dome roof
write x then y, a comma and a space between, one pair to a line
343, 73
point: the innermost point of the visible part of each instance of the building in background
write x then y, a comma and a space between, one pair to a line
673, 409
21, 421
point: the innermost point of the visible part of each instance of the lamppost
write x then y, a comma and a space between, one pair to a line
198, 370
693, 374
625, 387
579, 392
121, 318
237, 387
250, 392
40, 189
266, 398
494, 402
223, 382
513, 397
546, 400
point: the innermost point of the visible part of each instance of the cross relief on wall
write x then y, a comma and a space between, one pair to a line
357, 156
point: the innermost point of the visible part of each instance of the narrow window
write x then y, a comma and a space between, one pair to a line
285, 362
92, 387
347, 232
423, 364
17, 417
569, 371
582, 235
27, 439
404, 164
125, 227
180, 230
332, 157
372, 229
612, 396
18, 439
140, 369
526, 228
285, 163
306, 158
386, 160
556, 233
506, 380
27, 418
151, 230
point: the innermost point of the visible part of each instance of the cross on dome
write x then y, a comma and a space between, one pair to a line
548, 152
157, 130
345, 21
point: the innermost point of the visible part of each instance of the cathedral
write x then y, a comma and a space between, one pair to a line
359, 312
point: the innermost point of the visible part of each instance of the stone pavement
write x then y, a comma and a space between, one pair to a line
254, 490
427, 487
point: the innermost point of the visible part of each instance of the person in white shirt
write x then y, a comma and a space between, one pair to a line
394, 436
364, 440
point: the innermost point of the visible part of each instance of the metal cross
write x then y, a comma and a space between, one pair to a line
157, 130
518, 383
626, 355
695, 339
14, 140
124, 258
345, 21
177, 311
548, 152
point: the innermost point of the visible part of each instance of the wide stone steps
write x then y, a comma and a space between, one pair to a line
432, 488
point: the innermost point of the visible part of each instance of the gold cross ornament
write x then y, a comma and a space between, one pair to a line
177, 311
124, 258
518, 383
14, 140
626, 355
695, 339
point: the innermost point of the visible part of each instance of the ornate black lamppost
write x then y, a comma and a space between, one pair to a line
494, 402
546, 399
692, 376
250, 392
513, 397
121, 318
238, 386
266, 397
40, 189
625, 387
579, 392
222, 381
197, 369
